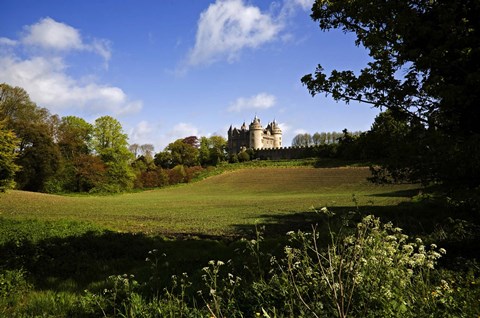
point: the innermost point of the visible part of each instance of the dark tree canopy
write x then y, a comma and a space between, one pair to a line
425, 67
425, 58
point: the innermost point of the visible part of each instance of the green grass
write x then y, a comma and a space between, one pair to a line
66, 244
222, 205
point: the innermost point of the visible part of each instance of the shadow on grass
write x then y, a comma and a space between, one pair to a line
415, 218
458, 231
398, 194
338, 163
77, 262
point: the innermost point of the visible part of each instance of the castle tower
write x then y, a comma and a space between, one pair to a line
277, 135
256, 134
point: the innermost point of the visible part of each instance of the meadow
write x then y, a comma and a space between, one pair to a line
220, 205
60, 252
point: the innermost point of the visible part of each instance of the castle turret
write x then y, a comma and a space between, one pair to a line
277, 135
256, 134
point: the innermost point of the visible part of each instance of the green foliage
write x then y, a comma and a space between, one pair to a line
177, 175
39, 156
74, 136
16, 107
243, 156
108, 134
163, 159
111, 144
217, 153
8, 144
13, 287
183, 153
371, 270
37, 153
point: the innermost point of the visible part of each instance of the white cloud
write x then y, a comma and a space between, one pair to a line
227, 27
100, 47
285, 127
305, 4
48, 85
179, 131
7, 42
259, 101
182, 130
44, 74
299, 131
290, 7
52, 35
140, 132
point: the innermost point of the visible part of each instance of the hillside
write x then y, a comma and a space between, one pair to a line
218, 205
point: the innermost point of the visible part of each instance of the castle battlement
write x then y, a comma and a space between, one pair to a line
255, 137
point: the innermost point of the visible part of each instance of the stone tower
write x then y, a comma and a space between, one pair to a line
277, 135
256, 133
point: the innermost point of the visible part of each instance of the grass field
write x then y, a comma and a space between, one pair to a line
55, 247
226, 204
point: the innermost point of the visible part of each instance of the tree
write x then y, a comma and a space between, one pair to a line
109, 140
164, 159
302, 140
39, 156
317, 139
89, 173
16, 106
37, 153
212, 150
204, 151
183, 153
192, 141
110, 143
8, 144
134, 149
74, 136
108, 134
425, 66
218, 149
147, 151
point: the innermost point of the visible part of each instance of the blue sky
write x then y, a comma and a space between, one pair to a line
174, 68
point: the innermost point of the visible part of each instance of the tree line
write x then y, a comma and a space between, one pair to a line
317, 139
44, 152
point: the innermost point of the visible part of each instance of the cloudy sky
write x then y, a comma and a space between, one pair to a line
174, 68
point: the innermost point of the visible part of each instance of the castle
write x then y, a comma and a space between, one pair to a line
255, 137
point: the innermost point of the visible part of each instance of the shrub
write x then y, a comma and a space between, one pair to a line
243, 156
192, 172
176, 174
